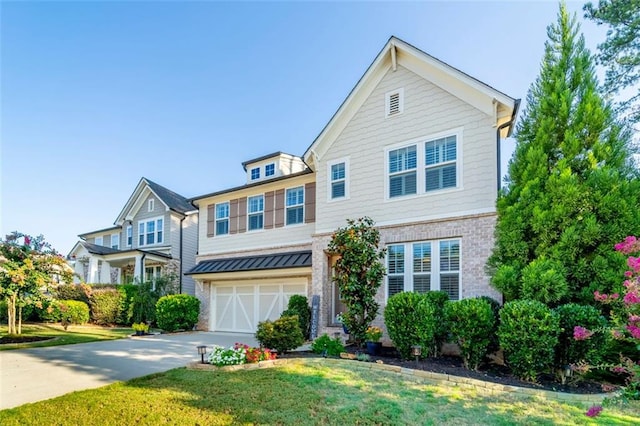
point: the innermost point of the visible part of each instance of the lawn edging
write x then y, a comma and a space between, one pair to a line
486, 388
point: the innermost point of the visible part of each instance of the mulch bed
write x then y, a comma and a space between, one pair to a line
22, 339
488, 372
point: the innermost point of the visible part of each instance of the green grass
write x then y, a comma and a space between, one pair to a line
304, 392
74, 334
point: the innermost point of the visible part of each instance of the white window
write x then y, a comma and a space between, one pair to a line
150, 205
270, 169
98, 241
338, 171
150, 231
424, 266
440, 163
222, 218
151, 273
295, 205
129, 235
402, 171
255, 173
394, 102
255, 212
424, 165
115, 241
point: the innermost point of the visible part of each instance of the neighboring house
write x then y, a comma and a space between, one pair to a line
155, 232
415, 146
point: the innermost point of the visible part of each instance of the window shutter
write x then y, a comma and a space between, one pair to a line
268, 210
242, 214
310, 202
233, 216
279, 221
211, 220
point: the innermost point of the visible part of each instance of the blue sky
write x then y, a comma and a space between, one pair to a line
95, 95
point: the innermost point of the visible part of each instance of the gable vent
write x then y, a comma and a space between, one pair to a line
394, 102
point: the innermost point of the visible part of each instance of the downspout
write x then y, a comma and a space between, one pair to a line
181, 246
502, 126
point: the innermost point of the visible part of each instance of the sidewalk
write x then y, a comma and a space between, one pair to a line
31, 375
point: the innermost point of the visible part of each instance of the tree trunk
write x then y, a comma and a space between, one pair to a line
20, 320
11, 313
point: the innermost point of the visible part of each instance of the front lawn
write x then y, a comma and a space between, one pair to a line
299, 393
74, 334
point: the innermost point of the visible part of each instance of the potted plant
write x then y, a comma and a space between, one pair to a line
140, 328
373, 336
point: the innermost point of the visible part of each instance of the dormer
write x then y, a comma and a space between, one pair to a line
271, 166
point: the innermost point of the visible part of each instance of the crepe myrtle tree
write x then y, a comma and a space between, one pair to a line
358, 273
29, 267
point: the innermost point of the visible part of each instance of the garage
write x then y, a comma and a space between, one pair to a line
239, 308
240, 292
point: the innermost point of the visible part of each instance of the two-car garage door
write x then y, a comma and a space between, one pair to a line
239, 307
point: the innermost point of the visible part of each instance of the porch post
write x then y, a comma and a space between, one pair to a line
92, 276
105, 273
138, 269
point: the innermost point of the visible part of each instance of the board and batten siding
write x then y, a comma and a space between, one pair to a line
275, 232
428, 110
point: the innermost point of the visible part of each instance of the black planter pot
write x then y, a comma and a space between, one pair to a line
345, 329
374, 348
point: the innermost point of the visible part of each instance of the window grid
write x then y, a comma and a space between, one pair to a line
150, 232
129, 235
338, 180
270, 169
440, 163
255, 173
255, 212
222, 218
295, 205
115, 241
402, 171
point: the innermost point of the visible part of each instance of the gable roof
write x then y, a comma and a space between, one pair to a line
398, 52
172, 200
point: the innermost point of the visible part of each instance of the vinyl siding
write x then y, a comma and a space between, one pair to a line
142, 214
428, 110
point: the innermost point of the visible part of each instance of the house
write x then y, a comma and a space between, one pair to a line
155, 232
414, 146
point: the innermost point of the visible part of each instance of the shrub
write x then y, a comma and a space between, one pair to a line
472, 325
528, 334
439, 300
409, 318
106, 305
328, 346
50, 311
177, 311
128, 291
544, 280
571, 351
299, 305
282, 334
142, 306
79, 292
494, 346
73, 312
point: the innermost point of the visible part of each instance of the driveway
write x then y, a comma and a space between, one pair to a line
30, 375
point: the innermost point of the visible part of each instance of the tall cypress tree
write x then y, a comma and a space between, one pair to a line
572, 190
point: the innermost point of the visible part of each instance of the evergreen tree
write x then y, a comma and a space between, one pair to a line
572, 191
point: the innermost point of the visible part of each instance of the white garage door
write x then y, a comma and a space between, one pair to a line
239, 307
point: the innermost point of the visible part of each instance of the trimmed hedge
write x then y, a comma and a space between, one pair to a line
528, 334
79, 292
73, 312
472, 327
299, 305
106, 305
177, 312
282, 334
411, 320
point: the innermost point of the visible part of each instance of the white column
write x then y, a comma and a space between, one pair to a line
92, 276
105, 273
78, 268
138, 270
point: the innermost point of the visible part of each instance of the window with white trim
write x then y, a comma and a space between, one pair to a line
129, 235
150, 231
98, 241
440, 163
222, 218
424, 165
295, 205
115, 241
255, 173
338, 171
394, 102
151, 205
402, 171
424, 266
255, 212
270, 169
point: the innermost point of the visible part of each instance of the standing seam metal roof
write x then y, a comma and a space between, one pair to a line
253, 263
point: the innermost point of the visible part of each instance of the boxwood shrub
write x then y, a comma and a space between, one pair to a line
177, 312
528, 334
282, 334
472, 326
439, 301
410, 320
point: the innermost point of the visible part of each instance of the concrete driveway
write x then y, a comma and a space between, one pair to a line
30, 375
